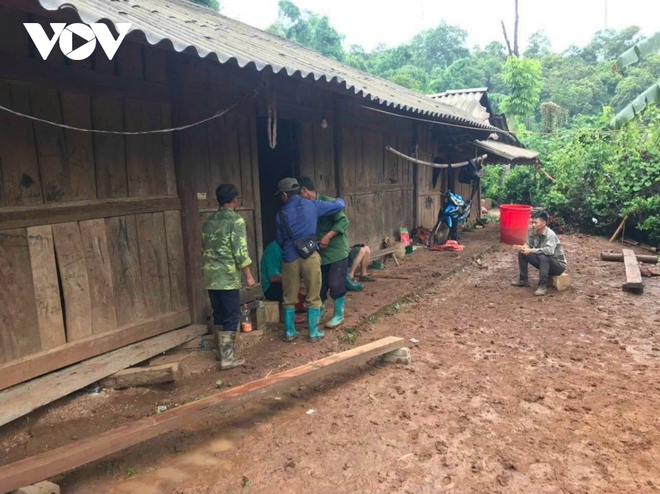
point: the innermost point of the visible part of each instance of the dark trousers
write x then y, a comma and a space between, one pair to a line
333, 279
226, 308
275, 293
547, 266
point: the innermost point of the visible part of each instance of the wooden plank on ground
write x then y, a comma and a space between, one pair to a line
24, 398
19, 326
46, 286
75, 284
148, 375
99, 274
126, 273
77, 112
633, 274
37, 364
60, 460
49, 214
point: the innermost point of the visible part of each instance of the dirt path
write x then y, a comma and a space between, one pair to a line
506, 393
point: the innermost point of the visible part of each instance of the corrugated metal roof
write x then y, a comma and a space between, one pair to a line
187, 25
468, 100
508, 152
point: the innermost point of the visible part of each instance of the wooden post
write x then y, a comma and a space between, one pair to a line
338, 145
190, 222
618, 230
415, 139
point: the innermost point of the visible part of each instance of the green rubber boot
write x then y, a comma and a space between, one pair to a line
290, 332
227, 358
340, 305
352, 286
313, 317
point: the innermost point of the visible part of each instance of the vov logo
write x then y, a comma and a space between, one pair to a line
89, 34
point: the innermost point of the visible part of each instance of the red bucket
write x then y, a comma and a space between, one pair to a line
514, 223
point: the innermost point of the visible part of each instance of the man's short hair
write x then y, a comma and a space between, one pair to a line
307, 183
541, 215
225, 193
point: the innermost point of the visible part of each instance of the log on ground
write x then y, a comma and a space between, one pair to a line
143, 376
618, 257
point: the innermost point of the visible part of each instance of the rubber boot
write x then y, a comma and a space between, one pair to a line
217, 330
227, 358
290, 332
322, 311
352, 286
340, 304
313, 317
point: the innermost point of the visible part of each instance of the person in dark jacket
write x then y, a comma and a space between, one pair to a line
300, 216
332, 236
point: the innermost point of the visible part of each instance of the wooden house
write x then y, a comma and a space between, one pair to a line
100, 232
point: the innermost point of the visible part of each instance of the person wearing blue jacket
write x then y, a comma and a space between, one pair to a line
297, 220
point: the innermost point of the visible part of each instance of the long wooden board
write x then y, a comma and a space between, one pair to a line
20, 217
46, 286
75, 283
37, 364
633, 274
60, 460
24, 398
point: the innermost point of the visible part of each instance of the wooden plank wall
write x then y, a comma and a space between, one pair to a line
378, 186
429, 200
223, 150
90, 230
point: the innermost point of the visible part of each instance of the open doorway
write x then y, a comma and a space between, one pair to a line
274, 165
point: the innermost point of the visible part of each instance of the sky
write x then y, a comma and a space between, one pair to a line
392, 22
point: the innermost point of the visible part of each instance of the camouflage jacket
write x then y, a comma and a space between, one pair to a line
224, 250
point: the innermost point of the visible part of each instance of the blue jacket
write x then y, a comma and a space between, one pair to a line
302, 216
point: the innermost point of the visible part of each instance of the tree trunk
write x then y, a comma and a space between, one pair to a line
516, 51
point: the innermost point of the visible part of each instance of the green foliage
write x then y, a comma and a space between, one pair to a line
538, 46
522, 76
212, 4
311, 30
600, 176
491, 183
439, 47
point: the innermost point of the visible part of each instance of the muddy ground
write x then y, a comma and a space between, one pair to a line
506, 393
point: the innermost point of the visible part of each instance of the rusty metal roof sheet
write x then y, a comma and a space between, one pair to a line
469, 100
185, 25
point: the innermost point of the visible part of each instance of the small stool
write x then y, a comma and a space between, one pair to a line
561, 282
272, 311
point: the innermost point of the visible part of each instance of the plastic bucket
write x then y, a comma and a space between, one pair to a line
514, 223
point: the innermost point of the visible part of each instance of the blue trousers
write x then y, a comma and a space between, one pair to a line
226, 308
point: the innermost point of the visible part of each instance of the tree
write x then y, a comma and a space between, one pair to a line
311, 30
538, 46
523, 79
439, 47
212, 4
513, 51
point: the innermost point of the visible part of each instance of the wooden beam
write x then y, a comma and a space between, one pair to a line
633, 274
24, 398
147, 375
29, 367
191, 228
66, 212
372, 189
387, 251
618, 230
616, 257
60, 460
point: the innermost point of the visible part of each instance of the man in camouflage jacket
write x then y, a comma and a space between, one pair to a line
224, 257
